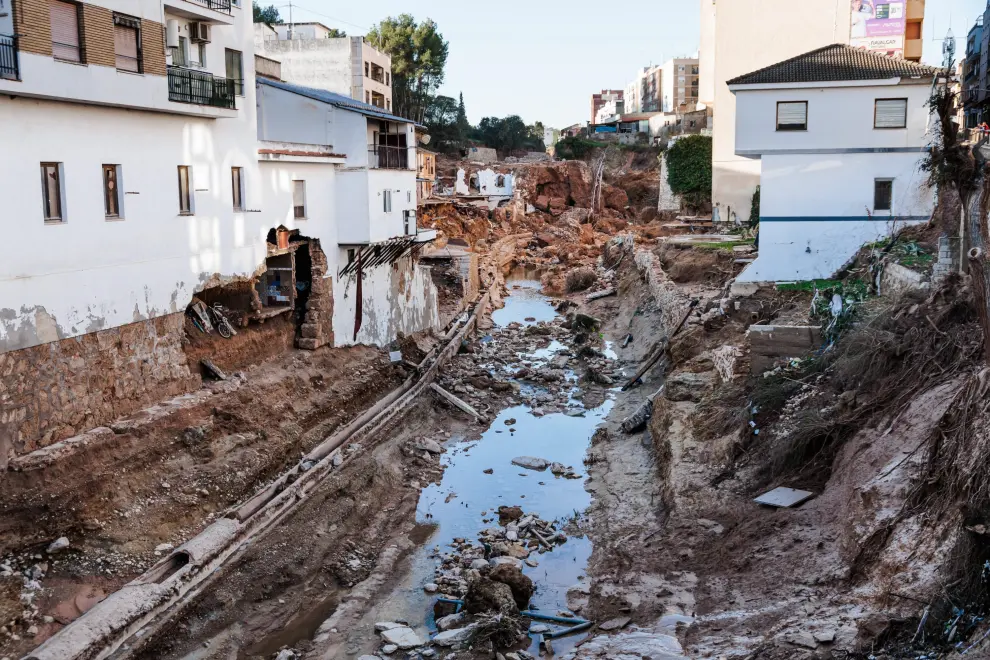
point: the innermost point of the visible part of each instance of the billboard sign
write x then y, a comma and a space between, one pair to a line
878, 25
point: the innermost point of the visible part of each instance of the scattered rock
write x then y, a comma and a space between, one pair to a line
389, 649
58, 545
804, 639
451, 621
431, 446
825, 636
520, 584
455, 637
507, 514
531, 463
163, 547
486, 595
404, 638
615, 624
382, 626
431, 588
489, 471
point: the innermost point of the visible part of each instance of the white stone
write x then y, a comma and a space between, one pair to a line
454, 637
389, 649
164, 547
431, 588
431, 446
450, 621
511, 561
382, 626
58, 545
404, 638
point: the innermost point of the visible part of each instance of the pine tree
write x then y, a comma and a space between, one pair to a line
463, 126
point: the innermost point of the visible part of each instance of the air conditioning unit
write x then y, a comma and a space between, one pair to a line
200, 32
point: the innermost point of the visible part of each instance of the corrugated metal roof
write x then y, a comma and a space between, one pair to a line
338, 100
835, 63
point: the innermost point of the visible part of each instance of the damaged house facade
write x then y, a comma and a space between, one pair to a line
119, 234
839, 134
350, 170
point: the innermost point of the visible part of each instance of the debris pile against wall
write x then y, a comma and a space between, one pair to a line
53, 391
769, 344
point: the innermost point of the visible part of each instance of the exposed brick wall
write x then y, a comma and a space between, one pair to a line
57, 390
317, 327
153, 47
33, 22
97, 34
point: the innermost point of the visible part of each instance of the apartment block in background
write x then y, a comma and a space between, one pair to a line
679, 85
643, 94
312, 57
606, 96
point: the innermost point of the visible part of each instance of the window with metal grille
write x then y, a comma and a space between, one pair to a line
237, 185
387, 195
127, 43
111, 191
890, 113
51, 191
66, 44
299, 200
883, 194
185, 198
792, 116
235, 70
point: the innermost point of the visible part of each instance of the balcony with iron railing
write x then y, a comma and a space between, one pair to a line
8, 58
198, 87
216, 12
382, 157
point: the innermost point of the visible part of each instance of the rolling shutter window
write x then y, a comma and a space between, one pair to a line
890, 113
126, 48
65, 31
792, 116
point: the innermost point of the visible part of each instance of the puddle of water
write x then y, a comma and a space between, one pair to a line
524, 302
455, 505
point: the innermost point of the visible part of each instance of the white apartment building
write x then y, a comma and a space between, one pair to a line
123, 134
134, 181
643, 94
839, 133
312, 58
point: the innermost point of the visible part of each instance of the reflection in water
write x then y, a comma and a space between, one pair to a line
455, 505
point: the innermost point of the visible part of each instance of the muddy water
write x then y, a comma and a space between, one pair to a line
466, 495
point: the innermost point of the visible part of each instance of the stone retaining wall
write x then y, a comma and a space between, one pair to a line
57, 390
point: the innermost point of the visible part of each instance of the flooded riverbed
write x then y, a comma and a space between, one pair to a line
467, 496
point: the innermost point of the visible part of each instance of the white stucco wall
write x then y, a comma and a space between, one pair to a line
706, 54
398, 298
817, 210
88, 273
839, 117
752, 34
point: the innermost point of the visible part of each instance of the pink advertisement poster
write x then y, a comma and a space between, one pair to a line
878, 25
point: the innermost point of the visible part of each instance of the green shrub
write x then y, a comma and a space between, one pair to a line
689, 165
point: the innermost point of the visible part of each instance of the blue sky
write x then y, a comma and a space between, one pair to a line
542, 59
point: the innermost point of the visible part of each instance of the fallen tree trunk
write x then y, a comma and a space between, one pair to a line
662, 350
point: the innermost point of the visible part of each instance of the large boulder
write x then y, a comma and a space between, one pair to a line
520, 584
486, 595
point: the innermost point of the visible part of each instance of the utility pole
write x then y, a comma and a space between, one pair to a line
290, 21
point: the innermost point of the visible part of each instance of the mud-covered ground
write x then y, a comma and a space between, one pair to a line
157, 478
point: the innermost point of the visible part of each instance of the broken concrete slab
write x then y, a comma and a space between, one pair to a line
784, 498
615, 624
404, 638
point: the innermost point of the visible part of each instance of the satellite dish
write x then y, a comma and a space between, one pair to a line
425, 139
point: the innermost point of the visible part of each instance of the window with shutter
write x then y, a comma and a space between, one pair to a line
51, 191
238, 187
65, 31
235, 70
299, 200
126, 44
185, 199
792, 116
111, 191
890, 113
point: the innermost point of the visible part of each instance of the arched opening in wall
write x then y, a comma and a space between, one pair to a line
500, 181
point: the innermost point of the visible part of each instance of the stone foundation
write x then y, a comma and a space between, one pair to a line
56, 390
